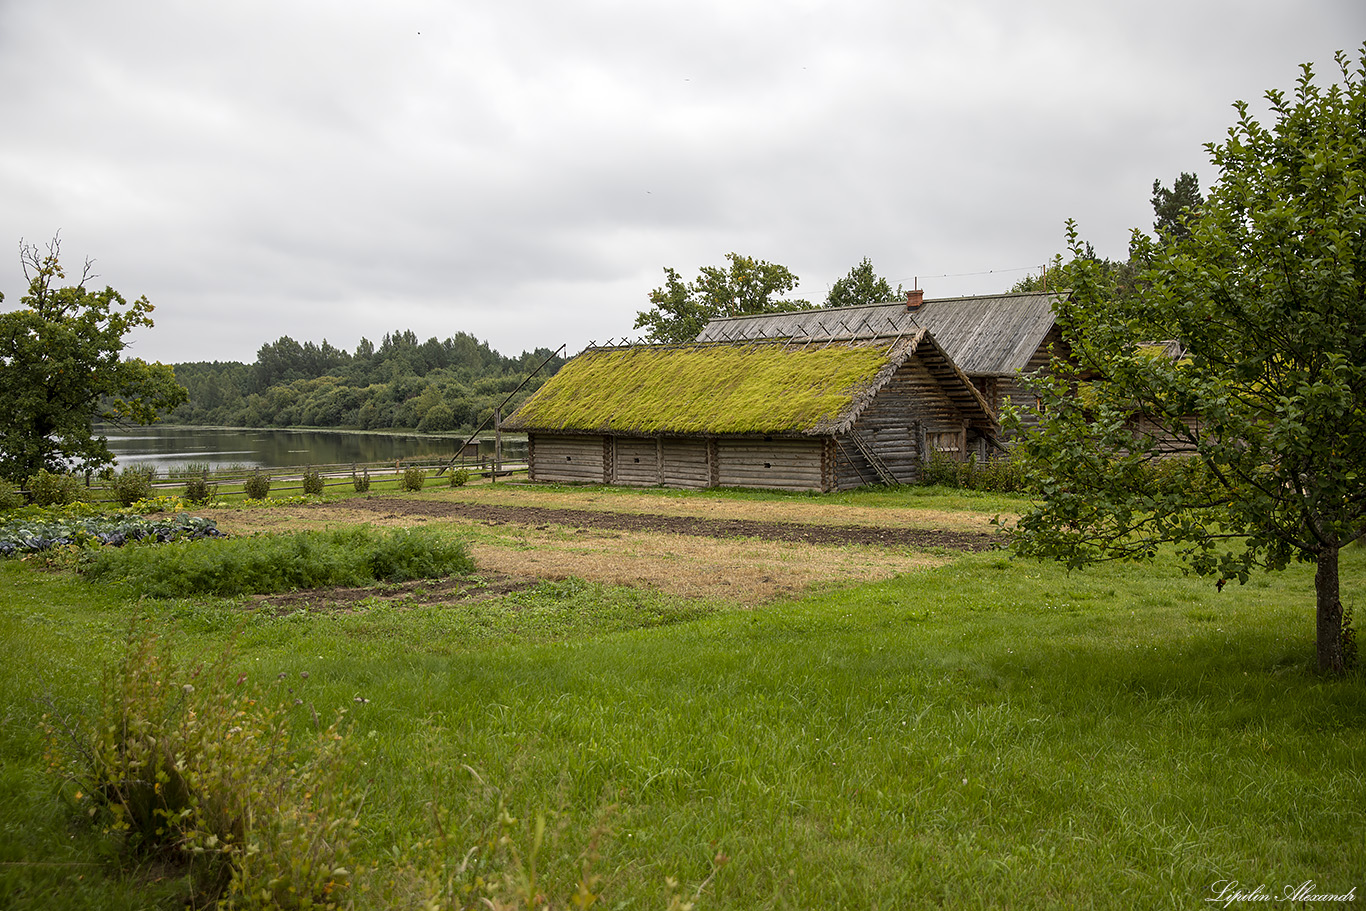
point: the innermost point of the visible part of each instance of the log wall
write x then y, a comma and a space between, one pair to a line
1010, 389
572, 459
636, 461
686, 462
910, 418
775, 464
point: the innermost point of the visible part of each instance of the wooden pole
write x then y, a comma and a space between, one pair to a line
497, 441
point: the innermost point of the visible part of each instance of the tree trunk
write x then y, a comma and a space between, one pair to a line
1329, 611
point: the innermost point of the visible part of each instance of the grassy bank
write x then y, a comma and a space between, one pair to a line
987, 733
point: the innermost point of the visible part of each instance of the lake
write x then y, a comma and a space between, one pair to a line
170, 448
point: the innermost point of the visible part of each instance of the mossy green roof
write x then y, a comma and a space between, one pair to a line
754, 388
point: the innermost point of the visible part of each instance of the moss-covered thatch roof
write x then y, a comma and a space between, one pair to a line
749, 388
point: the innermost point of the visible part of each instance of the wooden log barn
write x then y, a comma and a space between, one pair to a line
817, 413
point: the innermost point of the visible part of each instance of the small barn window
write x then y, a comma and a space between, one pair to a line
637, 459
768, 464
569, 458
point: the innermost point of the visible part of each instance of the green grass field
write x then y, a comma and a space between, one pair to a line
987, 734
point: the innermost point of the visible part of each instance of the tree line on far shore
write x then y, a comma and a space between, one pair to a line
454, 385
402, 383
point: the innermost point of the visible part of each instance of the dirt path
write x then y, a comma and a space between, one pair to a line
802, 533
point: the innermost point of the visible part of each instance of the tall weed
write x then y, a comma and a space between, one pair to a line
197, 767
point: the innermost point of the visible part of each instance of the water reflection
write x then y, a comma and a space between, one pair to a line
168, 448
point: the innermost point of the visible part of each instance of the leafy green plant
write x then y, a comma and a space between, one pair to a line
280, 562
361, 482
48, 489
32, 531
134, 483
199, 489
313, 482
413, 478
460, 477
257, 485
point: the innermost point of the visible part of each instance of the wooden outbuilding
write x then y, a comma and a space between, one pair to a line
818, 413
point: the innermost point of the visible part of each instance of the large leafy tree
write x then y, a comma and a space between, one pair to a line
62, 370
745, 286
861, 286
1264, 382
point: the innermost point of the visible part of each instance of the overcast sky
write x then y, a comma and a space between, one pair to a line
523, 170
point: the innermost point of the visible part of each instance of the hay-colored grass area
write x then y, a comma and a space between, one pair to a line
743, 571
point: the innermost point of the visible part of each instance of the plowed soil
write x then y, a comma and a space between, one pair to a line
803, 533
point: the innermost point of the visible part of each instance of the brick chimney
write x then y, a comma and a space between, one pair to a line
914, 299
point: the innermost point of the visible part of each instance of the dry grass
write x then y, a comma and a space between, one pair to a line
744, 571
747, 572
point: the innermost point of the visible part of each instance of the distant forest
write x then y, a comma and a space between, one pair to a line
403, 384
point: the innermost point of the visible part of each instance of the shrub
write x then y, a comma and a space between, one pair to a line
1002, 475
257, 485
10, 496
362, 481
196, 767
199, 489
313, 482
413, 478
133, 484
460, 477
944, 470
47, 489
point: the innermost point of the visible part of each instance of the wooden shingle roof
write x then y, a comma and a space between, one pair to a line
749, 387
988, 335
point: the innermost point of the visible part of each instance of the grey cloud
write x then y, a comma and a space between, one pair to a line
525, 170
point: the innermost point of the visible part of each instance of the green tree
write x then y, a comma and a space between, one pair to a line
861, 286
61, 370
746, 286
1177, 207
1265, 300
